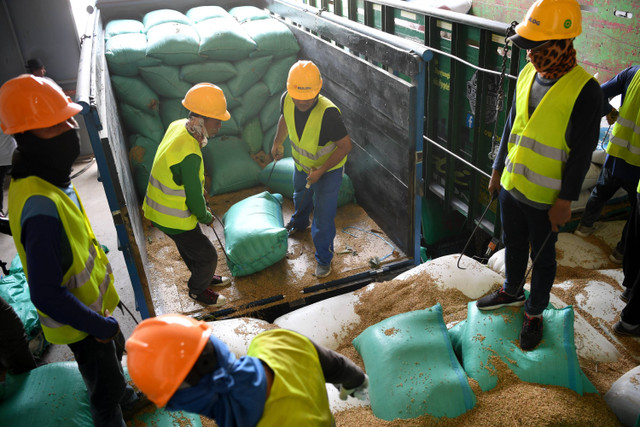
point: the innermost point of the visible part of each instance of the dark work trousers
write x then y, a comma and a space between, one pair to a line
199, 255
604, 190
522, 226
104, 378
14, 344
631, 267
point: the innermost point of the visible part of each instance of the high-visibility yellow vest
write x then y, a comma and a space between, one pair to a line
625, 135
166, 202
90, 278
298, 394
306, 152
538, 150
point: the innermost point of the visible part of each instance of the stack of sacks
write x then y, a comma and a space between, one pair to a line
153, 64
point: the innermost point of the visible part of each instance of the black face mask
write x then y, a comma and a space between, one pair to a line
49, 159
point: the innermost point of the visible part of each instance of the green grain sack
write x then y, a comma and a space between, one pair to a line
412, 368
270, 112
230, 166
172, 110
141, 174
14, 289
252, 102
143, 151
126, 52
136, 93
214, 72
136, 121
272, 38
276, 76
163, 16
250, 71
123, 26
174, 43
224, 39
232, 101
553, 362
229, 127
252, 135
165, 80
254, 233
248, 13
201, 13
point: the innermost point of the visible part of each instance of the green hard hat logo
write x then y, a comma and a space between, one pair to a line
567, 23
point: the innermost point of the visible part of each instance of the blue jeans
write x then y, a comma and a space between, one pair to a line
522, 226
322, 200
605, 188
103, 376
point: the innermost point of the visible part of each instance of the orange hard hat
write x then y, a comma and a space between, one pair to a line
548, 20
28, 102
304, 81
207, 99
161, 352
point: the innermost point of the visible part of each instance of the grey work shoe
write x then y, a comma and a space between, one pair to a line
632, 331
323, 270
584, 231
531, 333
499, 299
616, 256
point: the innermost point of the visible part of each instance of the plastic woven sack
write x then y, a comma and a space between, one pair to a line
248, 13
272, 38
276, 76
122, 26
252, 102
412, 368
143, 150
497, 333
252, 135
165, 80
136, 93
229, 128
126, 52
141, 174
201, 13
214, 72
270, 112
14, 289
224, 39
230, 166
267, 142
254, 232
162, 16
232, 101
136, 121
250, 71
172, 110
174, 43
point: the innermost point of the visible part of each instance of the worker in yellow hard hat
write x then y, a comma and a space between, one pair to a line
320, 144
69, 275
179, 363
175, 200
544, 155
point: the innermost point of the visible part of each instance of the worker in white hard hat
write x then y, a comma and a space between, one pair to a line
320, 144
175, 201
180, 364
544, 155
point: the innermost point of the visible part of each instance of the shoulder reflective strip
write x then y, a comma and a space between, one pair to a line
166, 190
623, 143
630, 124
543, 149
307, 169
536, 178
83, 276
178, 213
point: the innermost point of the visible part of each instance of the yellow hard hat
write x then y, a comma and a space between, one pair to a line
207, 99
161, 352
304, 81
29, 102
548, 20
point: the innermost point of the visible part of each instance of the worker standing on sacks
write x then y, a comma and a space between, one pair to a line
320, 144
69, 275
175, 200
280, 382
544, 155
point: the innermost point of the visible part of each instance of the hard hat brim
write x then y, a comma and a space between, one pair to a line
524, 43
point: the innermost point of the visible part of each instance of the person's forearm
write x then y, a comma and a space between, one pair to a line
338, 369
343, 147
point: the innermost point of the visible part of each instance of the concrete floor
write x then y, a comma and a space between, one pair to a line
95, 203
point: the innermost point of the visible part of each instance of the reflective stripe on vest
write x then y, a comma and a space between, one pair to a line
625, 135
90, 278
166, 202
537, 150
306, 152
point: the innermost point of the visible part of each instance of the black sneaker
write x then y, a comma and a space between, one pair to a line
625, 295
531, 333
499, 299
620, 329
291, 230
209, 297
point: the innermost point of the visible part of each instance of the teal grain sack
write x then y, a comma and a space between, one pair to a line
254, 233
209, 71
123, 26
484, 335
227, 161
165, 80
272, 38
412, 367
136, 93
202, 13
136, 121
174, 43
172, 110
223, 38
126, 52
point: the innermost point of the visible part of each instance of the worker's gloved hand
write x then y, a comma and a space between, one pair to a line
361, 392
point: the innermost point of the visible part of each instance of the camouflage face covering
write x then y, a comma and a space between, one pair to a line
195, 126
554, 59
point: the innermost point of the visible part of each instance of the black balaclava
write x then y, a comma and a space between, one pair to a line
49, 159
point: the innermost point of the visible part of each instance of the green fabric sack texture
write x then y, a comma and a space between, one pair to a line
230, 166
123, 26
252, 135
272, 38
412, 367
267, 142
250, 71
270, 112
232, 101
214, 72
14, 289
201, 13
252, 102
141, 174
497, 333
165, 81
224, 39
172, 110
163, 16
248, 13
229, 128
143, 150
55, 395
126, 52
136, 121
254, 233
174, 43
276, 76
136, 93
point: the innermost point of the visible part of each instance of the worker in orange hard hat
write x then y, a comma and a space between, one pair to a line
544, 155
175, 200
180, 364
69, 275
320, 144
